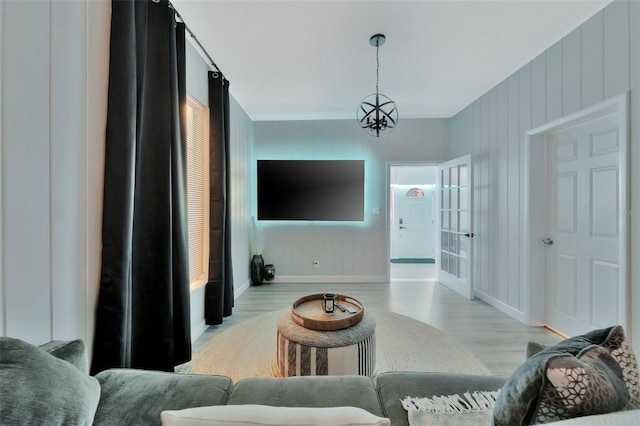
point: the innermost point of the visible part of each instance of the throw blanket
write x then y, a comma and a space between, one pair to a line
469, 409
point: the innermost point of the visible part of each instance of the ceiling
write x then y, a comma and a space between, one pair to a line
291, 60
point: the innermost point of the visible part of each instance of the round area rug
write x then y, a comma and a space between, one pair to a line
402, 344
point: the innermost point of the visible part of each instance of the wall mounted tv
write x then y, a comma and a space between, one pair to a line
319, 190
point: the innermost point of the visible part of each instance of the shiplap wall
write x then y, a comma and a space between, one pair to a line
596, 61
54, 94
351, 251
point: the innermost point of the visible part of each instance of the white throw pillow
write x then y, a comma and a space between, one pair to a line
224, 415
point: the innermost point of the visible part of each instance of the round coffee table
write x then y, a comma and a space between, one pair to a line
306, 352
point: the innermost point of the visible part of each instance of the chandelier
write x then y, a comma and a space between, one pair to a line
377, 114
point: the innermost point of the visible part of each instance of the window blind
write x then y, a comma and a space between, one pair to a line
197, 189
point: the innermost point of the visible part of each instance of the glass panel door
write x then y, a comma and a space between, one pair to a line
455, 206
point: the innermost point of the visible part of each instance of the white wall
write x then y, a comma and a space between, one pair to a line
409, 175
598, 60
352, 252
54, 91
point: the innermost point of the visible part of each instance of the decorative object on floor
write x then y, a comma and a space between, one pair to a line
248, 349
257, 269
269, 272
377, 114
341, 352
469, 409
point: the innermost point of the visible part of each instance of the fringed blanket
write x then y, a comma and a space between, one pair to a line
469, 409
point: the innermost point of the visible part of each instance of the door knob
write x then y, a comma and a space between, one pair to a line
403, 227
548, 241
469, 235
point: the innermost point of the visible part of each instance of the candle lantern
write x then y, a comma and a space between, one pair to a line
329, 303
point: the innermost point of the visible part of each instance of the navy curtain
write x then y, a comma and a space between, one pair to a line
219, 289
143, 318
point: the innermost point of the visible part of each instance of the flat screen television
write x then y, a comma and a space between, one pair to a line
318, 190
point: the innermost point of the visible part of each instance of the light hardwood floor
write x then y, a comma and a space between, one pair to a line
497, 339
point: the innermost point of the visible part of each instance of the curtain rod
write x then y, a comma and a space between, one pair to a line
193, 36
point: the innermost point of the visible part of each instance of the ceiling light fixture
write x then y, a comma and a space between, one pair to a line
377, 114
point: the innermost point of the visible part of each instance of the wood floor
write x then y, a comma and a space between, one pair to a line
497, 339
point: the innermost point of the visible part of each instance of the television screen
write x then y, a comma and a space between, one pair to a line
322, 190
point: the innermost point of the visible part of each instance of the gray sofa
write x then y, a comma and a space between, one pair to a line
136, 397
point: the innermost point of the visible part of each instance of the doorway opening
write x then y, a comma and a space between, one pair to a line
412, 232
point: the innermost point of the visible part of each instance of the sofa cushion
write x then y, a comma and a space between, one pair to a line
519, 395
394, 386
40, 389
138, 396
588, 384
308, 391
264, 415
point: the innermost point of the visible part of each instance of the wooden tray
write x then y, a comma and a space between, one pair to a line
307, 312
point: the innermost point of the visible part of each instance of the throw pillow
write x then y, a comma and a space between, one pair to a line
533, 348
519, 395
72, 351
620, 349
588, 384
40, 389
264, 415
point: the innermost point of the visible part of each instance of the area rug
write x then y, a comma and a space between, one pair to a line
402, 344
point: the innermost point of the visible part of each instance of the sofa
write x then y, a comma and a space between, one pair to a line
50, 385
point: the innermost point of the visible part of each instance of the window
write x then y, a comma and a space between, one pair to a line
198, 190
414, 192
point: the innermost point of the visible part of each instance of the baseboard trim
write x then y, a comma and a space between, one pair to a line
198, 329
330, 279
237, 291
413, 260
501, 306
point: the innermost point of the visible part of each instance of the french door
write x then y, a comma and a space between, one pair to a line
455, 248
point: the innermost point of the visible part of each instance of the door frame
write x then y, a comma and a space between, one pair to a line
389, 206
534, 220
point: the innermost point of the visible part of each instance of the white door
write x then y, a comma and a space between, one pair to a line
583, 286
455, 198
413, 219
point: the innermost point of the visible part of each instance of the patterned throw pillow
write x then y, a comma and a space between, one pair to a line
589, 384
520, 394
620, 349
